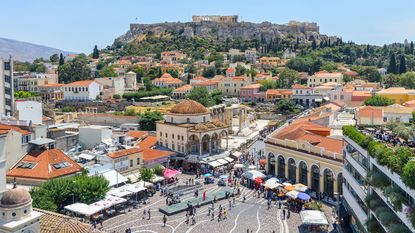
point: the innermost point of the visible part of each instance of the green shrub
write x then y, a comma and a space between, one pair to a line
398, 228
373, 226
116, 96
144, 93
158, 170
146, 174
381, 209
387, 217
354, 134
397, 200
408, 174
411, 216
379, 180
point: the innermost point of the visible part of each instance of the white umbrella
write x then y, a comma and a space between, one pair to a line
300, 187
252, 167
238, 165
292, 194
286, 184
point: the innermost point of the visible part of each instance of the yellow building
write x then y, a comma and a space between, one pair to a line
231, 86
323, 77
398, 94
127, 161
304, 153
272, 61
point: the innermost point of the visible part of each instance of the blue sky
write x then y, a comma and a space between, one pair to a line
77, 25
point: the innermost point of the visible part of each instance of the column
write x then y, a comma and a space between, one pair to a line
309, 177
227, 142
322, 183
285, 168
210, 146
200, 149
297, 174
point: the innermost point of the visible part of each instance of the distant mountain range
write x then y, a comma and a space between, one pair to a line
24, 51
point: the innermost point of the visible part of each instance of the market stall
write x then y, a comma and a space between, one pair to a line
83, 209
313, 221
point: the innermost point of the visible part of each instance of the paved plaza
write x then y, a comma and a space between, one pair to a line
253, 214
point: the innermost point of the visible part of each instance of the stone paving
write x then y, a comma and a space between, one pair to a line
251, 215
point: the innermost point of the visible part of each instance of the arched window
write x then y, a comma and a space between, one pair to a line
328, 182
292, 170
303, 173
281, 167
315, 179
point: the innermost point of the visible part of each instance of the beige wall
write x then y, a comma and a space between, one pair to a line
169, 135
309, 159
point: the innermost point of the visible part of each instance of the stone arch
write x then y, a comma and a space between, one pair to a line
271, 163
194, 144
340, 183
205, 143
328, 182
215, 142
315, 178
292, 170
303, 179
281, 167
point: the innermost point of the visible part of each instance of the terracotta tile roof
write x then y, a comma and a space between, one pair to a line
230, 70
167, 78
51, 222
52, 85
239, 78
252, 86
84, 83
122, 153
278, 92
325, 74
394, 90
152, 154
298, 86
200, 78
15, 128
410, 103
370, 112
45, 163
137, 133
148, 142
351, 73
184, 88
206, 83
397, 108
313, 133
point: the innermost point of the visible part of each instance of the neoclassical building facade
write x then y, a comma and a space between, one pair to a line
189, 129
304, 153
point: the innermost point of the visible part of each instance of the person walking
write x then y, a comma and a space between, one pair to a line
279, 204
225, 214
204, 195
230, 205
187, 217
213, 215
283, 213
269, 203
149, 214
164, 220
209, 211
234, 201
144, 214
288, 213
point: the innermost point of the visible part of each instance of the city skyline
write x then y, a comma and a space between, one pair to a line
78, 25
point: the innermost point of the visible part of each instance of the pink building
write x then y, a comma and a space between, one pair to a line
247, 93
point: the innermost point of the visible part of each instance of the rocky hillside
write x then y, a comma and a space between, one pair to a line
241, 30
23, 51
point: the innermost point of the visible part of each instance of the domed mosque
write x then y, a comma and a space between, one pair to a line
188, 129
16, 213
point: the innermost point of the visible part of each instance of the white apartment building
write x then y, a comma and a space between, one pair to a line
6, 87
365, 201
86, 90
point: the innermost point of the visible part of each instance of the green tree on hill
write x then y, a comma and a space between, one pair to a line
74, 70
378, 100
95, 52
148, 120
202, 95
392, 68
61, 59
402, 64
287, 78
54, 58
107, 71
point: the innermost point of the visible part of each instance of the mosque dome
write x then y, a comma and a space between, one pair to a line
189, 107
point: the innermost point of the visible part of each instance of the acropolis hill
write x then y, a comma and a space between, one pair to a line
223, 27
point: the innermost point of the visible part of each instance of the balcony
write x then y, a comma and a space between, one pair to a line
401, 214
359, 168
357, 209
358, 188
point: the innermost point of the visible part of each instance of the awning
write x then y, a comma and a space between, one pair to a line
134, 188
326, 98
228, 159
83, 209
169, 173
114, 178
134, 177
222, 161
108, 202
119, 192
313, 217
86, 156
215, 164
237, 154
318, 100
253, 174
